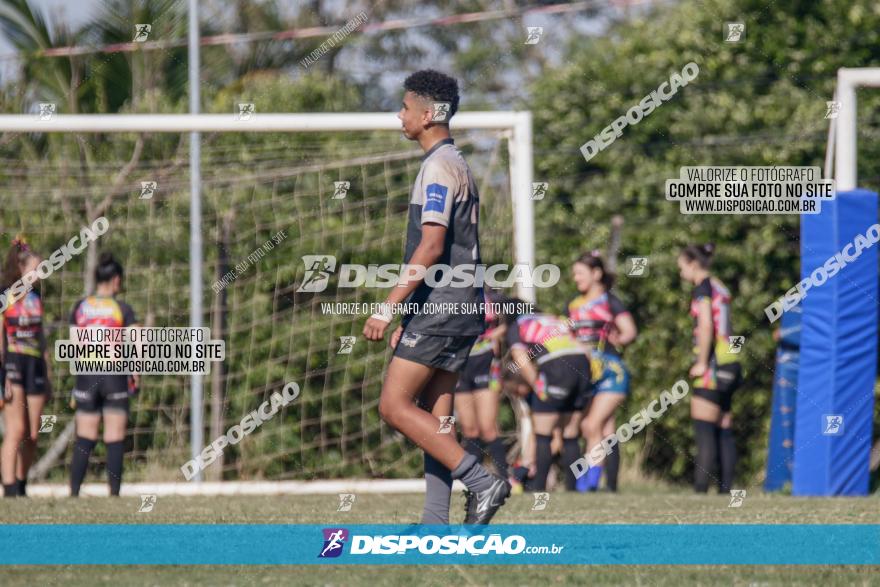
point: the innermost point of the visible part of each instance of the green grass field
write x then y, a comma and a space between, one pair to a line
665, 507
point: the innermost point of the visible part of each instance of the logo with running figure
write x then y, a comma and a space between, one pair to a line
737, 497
832, 110
447, 425
47, 423
148, 188
148, 502
340, 189
734, 32
246, 111
318, 270
334, 540
541, 501
735, 344
533, 34
346, 501
346, 345
441, 111
47, 110
636, 266
539, 190
832, 424
142, 32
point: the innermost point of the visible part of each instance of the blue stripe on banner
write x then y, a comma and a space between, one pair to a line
246, 544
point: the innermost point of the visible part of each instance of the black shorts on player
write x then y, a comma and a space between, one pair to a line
449, 353
727, 379
567, 385
95, 393
476, 374
27, 371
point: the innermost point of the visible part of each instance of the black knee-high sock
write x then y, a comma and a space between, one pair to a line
114, 466
571, 451
707, 454
612, 468
473, 446
727, 458
544, 459
499, 456
79, 462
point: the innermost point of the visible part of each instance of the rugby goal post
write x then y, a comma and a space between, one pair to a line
516, 127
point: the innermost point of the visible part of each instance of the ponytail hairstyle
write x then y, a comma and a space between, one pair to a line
108, 268
19, 252
593, 260
702, 254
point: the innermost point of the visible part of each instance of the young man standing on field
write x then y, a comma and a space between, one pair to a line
430, 348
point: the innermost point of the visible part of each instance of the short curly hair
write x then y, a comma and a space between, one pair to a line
435, 86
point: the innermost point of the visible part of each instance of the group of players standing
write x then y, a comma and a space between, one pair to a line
26, 376
569, 368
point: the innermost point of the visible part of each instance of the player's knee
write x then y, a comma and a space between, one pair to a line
387, 412
592, 428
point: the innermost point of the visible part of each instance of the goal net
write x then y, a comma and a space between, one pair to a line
268, 200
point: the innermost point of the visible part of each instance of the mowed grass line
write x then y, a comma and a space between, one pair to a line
626, 508
564, 508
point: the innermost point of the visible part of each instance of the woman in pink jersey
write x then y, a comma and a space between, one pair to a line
25, 362
604, 326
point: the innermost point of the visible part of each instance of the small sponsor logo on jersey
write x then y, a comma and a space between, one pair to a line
142, 32
47, 423
410, 339
148, 502
318, 270
334, 540
435, 198
734, 32
346, 501
737, 497
541, 501
533, 35
832, 424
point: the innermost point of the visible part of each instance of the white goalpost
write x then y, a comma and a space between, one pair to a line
515, 127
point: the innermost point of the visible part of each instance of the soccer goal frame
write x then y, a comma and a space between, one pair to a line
516, 126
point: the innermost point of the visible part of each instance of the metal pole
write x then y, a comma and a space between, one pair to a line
195, 235
521, 178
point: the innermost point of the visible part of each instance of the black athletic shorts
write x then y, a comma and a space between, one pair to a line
477, 372
449, 353
27, 371
568, 385
96, 393
728, 378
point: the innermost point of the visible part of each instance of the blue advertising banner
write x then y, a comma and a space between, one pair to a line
281, 544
